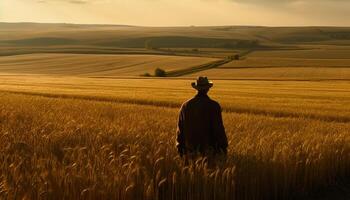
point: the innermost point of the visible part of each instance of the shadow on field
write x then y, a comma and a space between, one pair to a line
276, 179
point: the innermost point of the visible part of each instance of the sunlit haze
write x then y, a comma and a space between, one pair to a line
180, 12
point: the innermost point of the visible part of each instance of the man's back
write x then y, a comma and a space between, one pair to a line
200, 126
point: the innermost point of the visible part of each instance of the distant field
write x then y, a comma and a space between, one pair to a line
95, 65
66, 49
322, 53
100, 50
317, 64
254, 66
135, 65
32, 34
281, 73
267, 62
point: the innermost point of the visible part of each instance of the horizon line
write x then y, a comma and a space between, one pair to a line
174, 26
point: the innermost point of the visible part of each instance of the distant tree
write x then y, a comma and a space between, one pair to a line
236, 57
159, 72
195, 50
146, 74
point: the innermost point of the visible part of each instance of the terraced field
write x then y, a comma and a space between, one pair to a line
96, 65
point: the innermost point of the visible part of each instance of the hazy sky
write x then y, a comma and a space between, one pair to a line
180, 12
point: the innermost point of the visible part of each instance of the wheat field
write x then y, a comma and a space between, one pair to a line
275, 62
84, 138
326, 100
313, 64
96, 64
79, 119
314, 52
278, 73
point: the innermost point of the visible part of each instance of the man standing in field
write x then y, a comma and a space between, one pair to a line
200, 127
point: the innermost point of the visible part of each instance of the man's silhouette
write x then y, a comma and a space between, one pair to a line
200, 127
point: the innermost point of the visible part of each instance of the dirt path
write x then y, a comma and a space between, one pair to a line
210, 65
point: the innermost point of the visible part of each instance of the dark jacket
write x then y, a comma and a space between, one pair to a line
200, 127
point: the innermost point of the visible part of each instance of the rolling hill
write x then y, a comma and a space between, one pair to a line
24, 34
303, 53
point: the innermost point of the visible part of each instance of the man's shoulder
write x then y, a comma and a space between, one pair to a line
187, 102
184, 104
215, 104
194, 100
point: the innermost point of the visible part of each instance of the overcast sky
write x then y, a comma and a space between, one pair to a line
180, 12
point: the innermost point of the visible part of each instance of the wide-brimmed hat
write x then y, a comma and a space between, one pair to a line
202, 83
